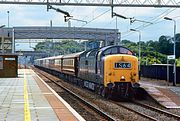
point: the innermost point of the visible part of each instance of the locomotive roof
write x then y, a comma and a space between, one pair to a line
104, 48
92, 51
120, 50
87, 52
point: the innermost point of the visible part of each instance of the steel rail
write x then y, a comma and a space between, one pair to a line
139, 113
96, 109
126, 107
157, 110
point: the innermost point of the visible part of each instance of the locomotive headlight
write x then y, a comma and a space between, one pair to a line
122, 77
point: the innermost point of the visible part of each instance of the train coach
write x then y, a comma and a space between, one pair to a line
110, 71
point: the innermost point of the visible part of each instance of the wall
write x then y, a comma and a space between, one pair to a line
160, 72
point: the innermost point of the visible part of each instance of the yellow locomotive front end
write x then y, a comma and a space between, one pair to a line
121, 74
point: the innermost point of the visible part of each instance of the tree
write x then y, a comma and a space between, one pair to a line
149, 51
178, 45
60, 48
165, 45
131, 45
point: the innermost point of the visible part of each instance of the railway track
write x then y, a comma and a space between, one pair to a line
143, 110
102, 114
149, 112
158, 110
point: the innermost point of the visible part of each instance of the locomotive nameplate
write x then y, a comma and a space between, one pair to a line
122, 65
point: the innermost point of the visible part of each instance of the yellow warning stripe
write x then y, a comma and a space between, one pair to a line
27, 115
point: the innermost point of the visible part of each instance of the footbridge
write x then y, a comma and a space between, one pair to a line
22, 34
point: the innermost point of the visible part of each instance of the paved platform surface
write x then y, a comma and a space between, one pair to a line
28, 98
167, 96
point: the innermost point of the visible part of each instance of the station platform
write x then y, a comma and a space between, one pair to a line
29, 98
161, 92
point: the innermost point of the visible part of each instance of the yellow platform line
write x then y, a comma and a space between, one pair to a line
27, 115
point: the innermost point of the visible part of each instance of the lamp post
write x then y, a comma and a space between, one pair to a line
8, 18
170, 19
139, 50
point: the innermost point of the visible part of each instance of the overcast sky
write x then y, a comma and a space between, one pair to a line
97, 17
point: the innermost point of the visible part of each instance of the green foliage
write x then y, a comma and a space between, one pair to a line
165, 45
151, 51
60, 48
155, 51
178, 45
178, 61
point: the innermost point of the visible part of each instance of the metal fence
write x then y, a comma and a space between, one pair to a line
160, 72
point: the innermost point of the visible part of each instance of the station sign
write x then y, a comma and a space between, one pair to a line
10, 59
170, 57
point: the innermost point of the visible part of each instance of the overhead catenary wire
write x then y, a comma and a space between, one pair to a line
114, 18
148, 21
96, 17
91, 12
154, 21
142, 26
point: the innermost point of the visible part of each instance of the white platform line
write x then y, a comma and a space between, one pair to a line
79, 117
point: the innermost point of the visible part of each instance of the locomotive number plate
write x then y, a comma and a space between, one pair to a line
122, 65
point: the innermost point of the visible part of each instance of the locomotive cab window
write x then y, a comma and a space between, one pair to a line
125, 51
110, 51
113, 50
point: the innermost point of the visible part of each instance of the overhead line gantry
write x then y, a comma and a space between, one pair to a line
105, 3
